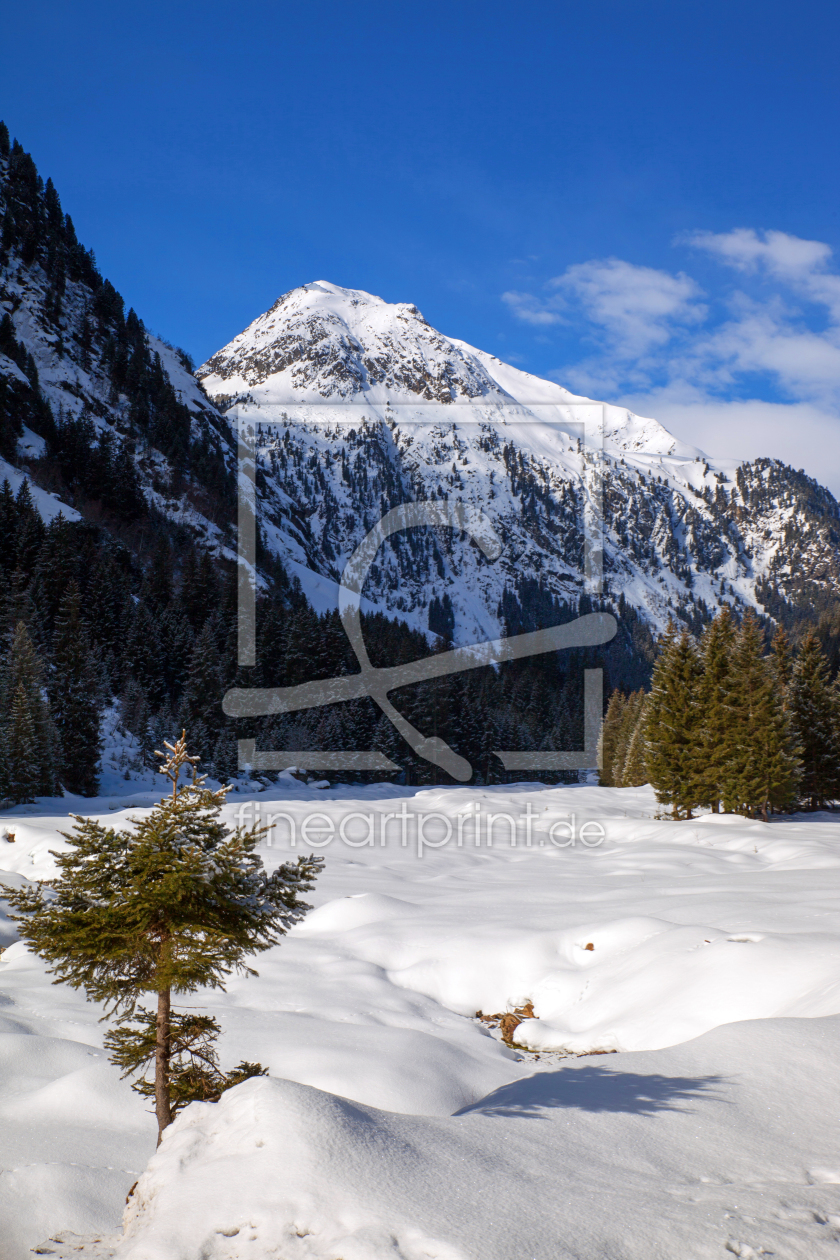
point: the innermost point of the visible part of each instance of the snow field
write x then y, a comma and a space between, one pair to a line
364, 1017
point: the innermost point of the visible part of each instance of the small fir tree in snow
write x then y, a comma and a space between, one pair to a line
815, 712
175, 904
194, 1072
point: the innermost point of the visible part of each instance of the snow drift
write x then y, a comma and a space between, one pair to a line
730, 1139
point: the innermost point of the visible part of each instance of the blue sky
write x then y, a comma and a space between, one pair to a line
638, 199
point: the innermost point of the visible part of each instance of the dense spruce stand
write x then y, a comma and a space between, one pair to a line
814, 707
728, 725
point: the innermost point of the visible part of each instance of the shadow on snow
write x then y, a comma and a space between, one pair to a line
596, 1089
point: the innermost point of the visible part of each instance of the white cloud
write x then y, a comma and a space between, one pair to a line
799, 434
778, 252
665, 351
634, 309
637, 307
650, 326
771, 340
530, 309
800, 264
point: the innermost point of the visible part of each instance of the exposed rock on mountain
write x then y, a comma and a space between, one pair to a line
358, 405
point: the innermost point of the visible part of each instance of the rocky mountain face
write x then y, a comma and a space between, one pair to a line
357, 405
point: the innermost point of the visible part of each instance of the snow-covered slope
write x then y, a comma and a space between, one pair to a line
393, 1113
359, 405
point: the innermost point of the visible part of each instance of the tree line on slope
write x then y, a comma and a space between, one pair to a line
728, 726
85, 625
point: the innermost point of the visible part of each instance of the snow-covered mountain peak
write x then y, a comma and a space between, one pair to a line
323, 344
358, 404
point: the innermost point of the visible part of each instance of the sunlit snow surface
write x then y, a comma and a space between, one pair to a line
701, 1132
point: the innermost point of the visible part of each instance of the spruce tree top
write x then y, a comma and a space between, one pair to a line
179, 901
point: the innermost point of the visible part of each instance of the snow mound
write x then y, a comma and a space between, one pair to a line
681, 1145
355, 911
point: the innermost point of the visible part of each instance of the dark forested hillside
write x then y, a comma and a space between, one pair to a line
81, 372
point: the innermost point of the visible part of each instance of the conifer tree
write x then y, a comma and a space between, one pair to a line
201, 705
782, 661
716, 648
634, 773
762, 764
8, 522
629, 722
175, 904
226, 754
158, 586
199, 588
17, 605
815, 712
27, 734
608, 741
57, 566
29, 533
194, 1072
74, 690
20, 750
143, 655
672, 728
176, 645
135, 716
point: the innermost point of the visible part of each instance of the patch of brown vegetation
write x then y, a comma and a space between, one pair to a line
508, 1021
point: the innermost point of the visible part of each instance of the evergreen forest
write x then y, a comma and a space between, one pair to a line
728, 725
87, 625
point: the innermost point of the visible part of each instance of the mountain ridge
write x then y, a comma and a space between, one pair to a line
683, 531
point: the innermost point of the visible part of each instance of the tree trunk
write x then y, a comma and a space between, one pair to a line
163, 1106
